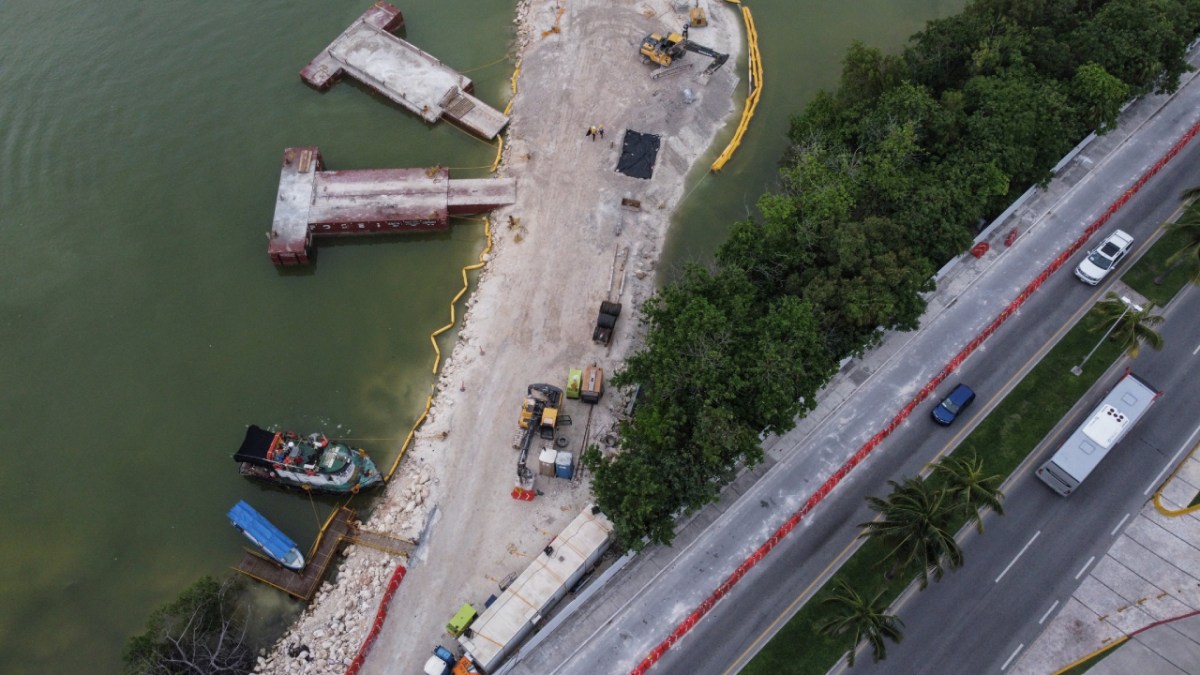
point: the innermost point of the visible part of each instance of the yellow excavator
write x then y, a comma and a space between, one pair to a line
540, 408
540, 417
665, 50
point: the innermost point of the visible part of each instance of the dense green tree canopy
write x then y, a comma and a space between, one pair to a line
881, 182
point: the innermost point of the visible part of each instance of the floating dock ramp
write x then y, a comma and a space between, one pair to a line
408, 76
340, 528
315, 203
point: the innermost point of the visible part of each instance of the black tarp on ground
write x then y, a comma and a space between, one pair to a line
638, 153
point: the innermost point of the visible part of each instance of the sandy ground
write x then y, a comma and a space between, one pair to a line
530, 320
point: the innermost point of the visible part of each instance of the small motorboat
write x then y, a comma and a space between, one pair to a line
266, 536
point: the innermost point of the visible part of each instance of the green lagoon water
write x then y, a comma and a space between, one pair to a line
142, 326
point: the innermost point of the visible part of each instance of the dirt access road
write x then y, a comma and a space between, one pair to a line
530, 320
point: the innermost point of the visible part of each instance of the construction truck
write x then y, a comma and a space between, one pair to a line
443, 663
610, 307
665, 50
606, 322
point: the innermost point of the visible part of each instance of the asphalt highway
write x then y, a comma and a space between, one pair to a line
1028, 561
640, 606
739, 625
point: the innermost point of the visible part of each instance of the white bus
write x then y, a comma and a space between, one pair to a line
1103, 428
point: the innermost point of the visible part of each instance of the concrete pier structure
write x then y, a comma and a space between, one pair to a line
368, 52
316, 203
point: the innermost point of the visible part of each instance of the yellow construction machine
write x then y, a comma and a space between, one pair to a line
542, 402
539, 413
665, 50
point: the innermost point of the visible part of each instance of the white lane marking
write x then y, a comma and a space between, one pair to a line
1014, 655
1197, 349
1114, 531
1047, 614
1186, 444
1019, 554
1084, 568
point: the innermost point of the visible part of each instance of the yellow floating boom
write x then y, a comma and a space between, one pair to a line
755, 89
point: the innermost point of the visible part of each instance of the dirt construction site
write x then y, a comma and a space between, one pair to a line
579, 233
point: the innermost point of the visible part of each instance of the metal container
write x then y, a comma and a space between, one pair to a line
564, 465
593, 384
574, 380
546, 461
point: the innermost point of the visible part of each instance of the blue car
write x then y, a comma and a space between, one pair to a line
952, 405
440, 663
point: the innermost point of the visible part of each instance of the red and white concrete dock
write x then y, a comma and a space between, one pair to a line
368, 52
315, 203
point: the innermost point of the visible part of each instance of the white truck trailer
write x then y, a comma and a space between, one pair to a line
521, 607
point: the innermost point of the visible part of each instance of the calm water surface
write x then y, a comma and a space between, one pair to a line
142, 324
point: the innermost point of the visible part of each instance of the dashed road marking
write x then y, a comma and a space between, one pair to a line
1019, 554
1013, 656
1047, 614
1118, 527
1084, 568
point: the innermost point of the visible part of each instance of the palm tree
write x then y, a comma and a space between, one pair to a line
1129, 325
862, 618
974, 492
1189, 254
915, 521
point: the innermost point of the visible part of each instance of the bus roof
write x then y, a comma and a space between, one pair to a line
1106, 425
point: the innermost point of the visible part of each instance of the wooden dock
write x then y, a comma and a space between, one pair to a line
406, 75
339, 530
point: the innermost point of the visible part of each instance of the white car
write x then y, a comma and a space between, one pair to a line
1102, 259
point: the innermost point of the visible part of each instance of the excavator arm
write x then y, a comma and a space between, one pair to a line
718, 58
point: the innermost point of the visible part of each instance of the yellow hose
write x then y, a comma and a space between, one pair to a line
408, 439
499, 151
487, 232
755, 88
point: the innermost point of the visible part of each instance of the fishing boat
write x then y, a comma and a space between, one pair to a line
311, 463
266, 536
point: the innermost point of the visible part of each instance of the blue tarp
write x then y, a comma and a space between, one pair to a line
270, 538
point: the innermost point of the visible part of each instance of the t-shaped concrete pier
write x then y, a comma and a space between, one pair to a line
315, 203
